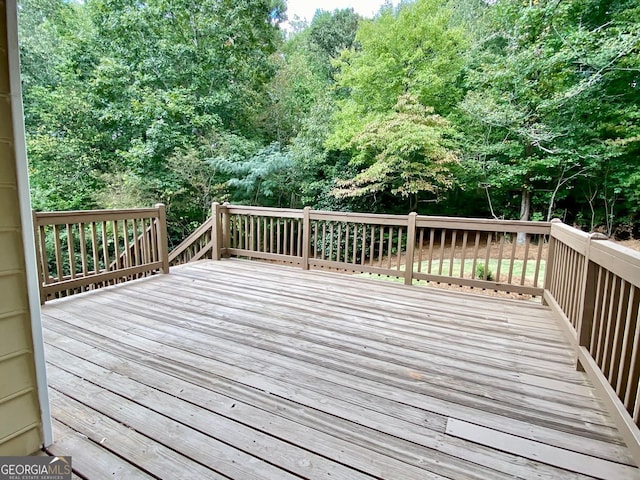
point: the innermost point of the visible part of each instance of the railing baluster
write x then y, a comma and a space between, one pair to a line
346, 243
259, 231
598, 300
613, 303
363, 244
245, 220
71, 250
572, 297
452, 255
443, 241
625, 352
514, 243
420, 245
105, 246
324, 256
381, 246
339, 243
463, 259
500, 253
525, 260
271, 235
315, 239
432, 234
94, 248
603, 314
127, 245
300, 252
116, 243
265, 233
331, 241
136, 243
476, 247
538, 260
487, 255
389, 248
58, 253
619, 327
399, 248
292, 238
145, 242
355, 244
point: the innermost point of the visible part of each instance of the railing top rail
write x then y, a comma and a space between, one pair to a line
483, 224
378, 219
618, 259
83, 216
572, 237
264, 211
399, 220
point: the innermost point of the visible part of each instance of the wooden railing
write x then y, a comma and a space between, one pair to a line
84, 250
459, 251
593, 286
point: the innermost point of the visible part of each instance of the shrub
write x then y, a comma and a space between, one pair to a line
480, 272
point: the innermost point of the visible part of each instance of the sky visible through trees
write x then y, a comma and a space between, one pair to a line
515, 109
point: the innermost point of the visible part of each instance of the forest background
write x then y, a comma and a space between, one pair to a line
516, 109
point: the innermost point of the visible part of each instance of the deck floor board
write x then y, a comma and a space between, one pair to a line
284, 373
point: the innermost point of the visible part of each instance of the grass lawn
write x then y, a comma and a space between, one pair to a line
493, 269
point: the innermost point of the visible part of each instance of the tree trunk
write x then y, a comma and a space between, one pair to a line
525, 209
413, 203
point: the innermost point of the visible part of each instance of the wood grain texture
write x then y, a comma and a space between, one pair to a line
332, 376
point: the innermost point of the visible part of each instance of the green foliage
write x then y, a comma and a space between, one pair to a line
480, 273
129, 96
395, 85
551, 96
403, 152
261, 178
508, 108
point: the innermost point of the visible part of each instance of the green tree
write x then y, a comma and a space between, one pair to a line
117, 92
551, 99
404, 153
404, 70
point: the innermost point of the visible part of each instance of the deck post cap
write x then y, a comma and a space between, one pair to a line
598, 236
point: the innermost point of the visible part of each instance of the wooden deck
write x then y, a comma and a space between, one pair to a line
245, 370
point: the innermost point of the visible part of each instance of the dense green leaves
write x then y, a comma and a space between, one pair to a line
511, 108
551, 95
403, 152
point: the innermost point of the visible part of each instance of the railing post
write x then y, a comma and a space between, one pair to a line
411, 244
226, 229
548, 271
216, 231
163, 241
40, 257
306, 238
587, 297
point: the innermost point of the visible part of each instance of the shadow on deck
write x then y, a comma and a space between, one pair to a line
237, 369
